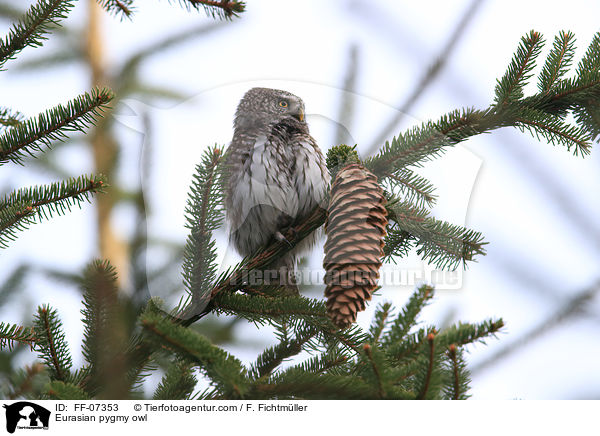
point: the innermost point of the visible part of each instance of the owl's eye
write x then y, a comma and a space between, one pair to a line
283, 103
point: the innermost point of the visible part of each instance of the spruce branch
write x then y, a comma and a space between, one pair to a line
222, 9
233, 279
558, 62
177, 384
225, 371
20, 209
204, 214
32, 29
588, 69
398, 242
376, 368
380, 322
9, 118
121, 8
510, 86
14, 282
11, 334
456, 367
411, 186
554, 130
578, 95
314, 386
106, 333
26, 383
427, 377
464, 333
51, 344
431, 139
272, 357
60, 390
260, 309
442, 244
407, 318
35, 133
333, 361
14, 218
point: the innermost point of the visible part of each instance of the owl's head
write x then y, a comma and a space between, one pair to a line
264, 107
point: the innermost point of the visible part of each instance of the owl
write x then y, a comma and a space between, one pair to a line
276, 176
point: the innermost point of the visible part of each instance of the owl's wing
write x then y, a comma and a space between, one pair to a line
310, 176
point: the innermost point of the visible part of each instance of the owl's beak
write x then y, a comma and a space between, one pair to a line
300, 114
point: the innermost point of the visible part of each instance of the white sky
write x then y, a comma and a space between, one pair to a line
489, 184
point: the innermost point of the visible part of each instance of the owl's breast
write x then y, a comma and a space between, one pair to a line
264, 180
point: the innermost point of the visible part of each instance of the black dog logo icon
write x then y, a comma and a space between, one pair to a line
26, 415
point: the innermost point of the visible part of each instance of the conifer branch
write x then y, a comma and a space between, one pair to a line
327, 362
588, 69
406, 319
272, 357
123, 8
60, 390
411, 186
13, 333
558, 62
99, 301
204, 215
233, 279
380, 322
573, 306
430, 366
578, 95
457, 389
554, 130
20, 209
105, 332
32, 29
224, 370
14, 218
376, 371
177, 384
24, 383
398, 242
463, 333
510, 87
51, 344
315, 386
9, 118
259, 309
223, 9
32, 134
442, 244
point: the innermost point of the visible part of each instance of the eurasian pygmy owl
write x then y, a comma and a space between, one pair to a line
276, 175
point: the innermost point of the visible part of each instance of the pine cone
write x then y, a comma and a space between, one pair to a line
356, 225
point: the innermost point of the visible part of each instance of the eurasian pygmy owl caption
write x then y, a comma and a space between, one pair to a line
276, 175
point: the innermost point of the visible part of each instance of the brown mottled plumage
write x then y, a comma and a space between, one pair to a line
276, 174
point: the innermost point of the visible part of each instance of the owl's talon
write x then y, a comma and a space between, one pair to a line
279, 236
